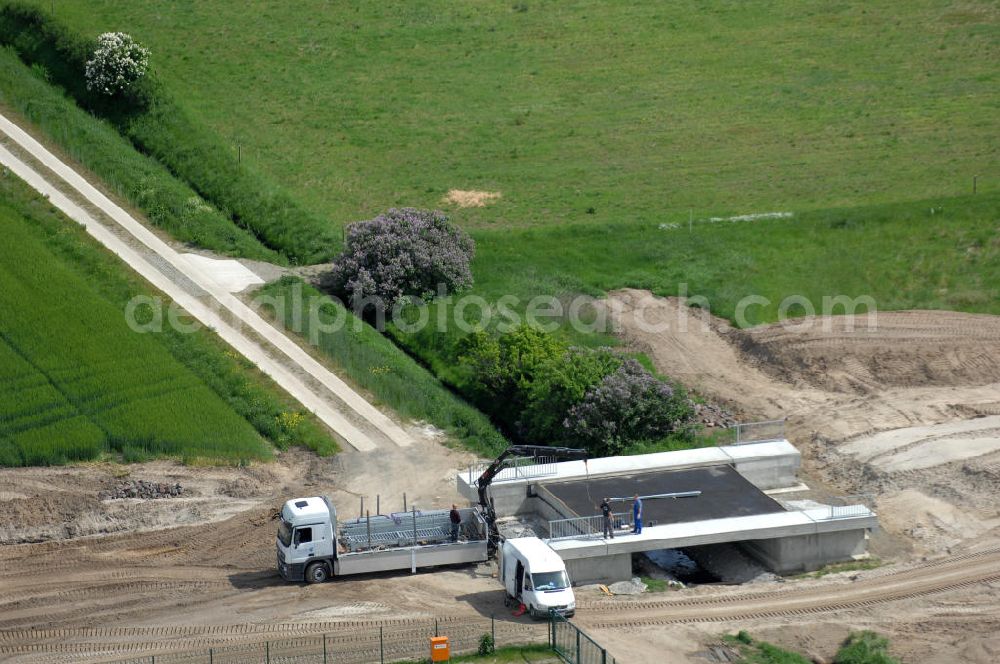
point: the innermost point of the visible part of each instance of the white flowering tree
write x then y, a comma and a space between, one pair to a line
118, 62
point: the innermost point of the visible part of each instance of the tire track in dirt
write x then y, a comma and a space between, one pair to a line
944, 576
933, 577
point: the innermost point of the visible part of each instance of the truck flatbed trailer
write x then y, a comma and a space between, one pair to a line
313, 546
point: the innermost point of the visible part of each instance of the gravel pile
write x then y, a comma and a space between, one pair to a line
142, 489
713, 416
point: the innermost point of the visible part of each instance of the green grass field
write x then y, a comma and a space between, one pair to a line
858, 117
77, 383
643, 111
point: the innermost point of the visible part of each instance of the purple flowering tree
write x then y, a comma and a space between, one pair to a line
400, 253
628, 406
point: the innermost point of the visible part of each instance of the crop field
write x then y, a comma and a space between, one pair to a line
75, 381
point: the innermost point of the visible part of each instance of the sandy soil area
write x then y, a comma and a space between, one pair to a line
906, 410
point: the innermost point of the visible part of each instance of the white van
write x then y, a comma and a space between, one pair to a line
535, 575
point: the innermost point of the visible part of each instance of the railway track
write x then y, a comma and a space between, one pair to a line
359, 635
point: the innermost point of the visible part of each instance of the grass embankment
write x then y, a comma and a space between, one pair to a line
156, 125
78, 383
382, 369
140, 180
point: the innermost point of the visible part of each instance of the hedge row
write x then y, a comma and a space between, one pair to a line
156, 125
375, 364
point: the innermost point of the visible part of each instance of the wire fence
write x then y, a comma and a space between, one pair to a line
350, 645
758, 432
575, 646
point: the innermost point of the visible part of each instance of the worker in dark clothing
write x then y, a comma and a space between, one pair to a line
637, 514
456, 521
609, 530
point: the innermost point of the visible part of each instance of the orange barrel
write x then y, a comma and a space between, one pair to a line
440, 651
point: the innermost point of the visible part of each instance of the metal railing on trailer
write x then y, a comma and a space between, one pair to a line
573, 645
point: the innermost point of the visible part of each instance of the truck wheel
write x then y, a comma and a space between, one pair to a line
317, 573
532, 613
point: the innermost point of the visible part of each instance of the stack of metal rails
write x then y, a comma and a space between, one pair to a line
403, 529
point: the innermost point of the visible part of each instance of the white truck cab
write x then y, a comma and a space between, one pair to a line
534, 575
306, 539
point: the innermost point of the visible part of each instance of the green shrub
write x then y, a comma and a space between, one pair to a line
117, 64
499, 370
564, 383
542, 391
404, 252
157, 126
865, 648
486, 645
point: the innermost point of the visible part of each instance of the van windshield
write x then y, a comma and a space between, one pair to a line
284, 533
550, 580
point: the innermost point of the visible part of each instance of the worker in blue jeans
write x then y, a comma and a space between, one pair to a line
637, 515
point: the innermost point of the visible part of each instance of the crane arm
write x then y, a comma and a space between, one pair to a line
484, 481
